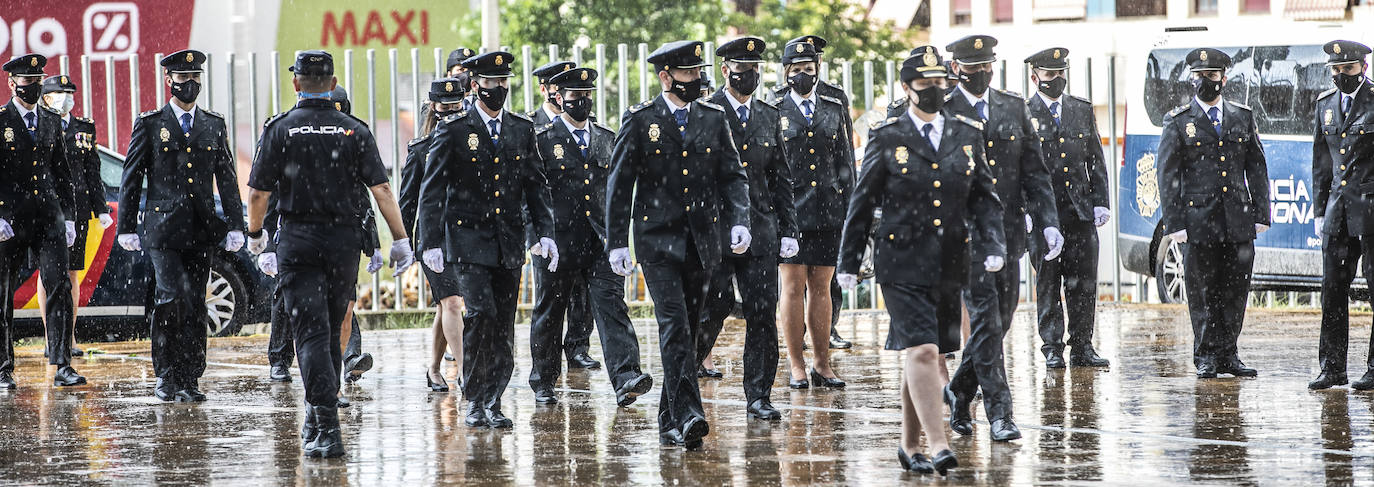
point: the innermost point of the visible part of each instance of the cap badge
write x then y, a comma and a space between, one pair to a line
64, 80
654, 132
1056, 54
499, 60
698, 51
584, 76
448, 86
33, 61
977, 43
1202, 55
929, 59
800, 48
190, 57
900, 154
1336, 48
810, 41
749, 46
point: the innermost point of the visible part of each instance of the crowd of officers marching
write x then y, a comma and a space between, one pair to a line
723, 191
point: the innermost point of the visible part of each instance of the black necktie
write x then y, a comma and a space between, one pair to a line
743, 114
925, 130
495, 132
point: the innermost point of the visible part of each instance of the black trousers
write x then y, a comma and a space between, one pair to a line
1217, 281
557, 293
758, 286
983, 364
679, 293
578, 337
281, 350
47, 238
1074, 274
317, 280
1340, 254
179, 323
490, 295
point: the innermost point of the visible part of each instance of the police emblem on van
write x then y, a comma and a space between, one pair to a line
1146, 186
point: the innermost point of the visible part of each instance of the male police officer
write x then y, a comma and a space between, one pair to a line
1022, 182
455, 69
37, 213
178, 150
677, 175
478, 178
79, 140
320, 235
1214, 190
1070, 145
1343, 151
548, 107
756, 131
573, 150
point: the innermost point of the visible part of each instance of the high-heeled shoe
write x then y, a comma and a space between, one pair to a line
944, 461
918, 463
797, 384
823, 381
440, 386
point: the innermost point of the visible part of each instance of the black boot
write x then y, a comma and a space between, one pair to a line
328, 440
309, 431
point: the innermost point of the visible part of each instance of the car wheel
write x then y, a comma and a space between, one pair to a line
226, 300
1169, 272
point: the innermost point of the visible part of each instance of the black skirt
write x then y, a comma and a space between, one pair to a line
441, 285
920, 315
817, 248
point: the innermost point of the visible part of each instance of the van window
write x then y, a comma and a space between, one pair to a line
1280, 83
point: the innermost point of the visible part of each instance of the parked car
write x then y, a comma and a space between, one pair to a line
117, 285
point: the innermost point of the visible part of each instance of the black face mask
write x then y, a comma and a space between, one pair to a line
493, 98
744, 82
186, 91
580, 109
802, 83
1207, 90
977, 83
1348, 83
29, 93
1053, 88
686, 90
929, 100
552, 97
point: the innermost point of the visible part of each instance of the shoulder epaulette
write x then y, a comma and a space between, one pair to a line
830, 99
149, 113
710, 105
641, 106
456, 116
949, 95
602, 127
213, 113
419, 140
273, 119
521, 116
780, 90
877, 124
971, 122
1239, 105
897, 103
543, 128
1327, 93
1079, 98
1010, 94
51, 110
1178, 110
772, 104
84, 120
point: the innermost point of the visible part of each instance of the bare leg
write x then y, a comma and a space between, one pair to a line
451, 310
944, 370
344, 332
707, 362
818, 317
925, 388
436, 350
963, 323
911, 423
791, 304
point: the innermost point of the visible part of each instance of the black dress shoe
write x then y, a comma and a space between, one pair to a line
310, 430
354, 368
497, 420
838, 343
834, 383
708, 373
165, 390
449, 357
545, 397
1366, 382
76, 352
7, 381
343, 403
763, 409
797, 384
476, 417
1206, 370
441, 386
672, 437
279, 373
1054, 360
328, 440
190, 393
693, 430
582, 361
632, 389
1087, 357
1237, 368
960, 419
1005, 430
918, 463
944, 461
1329, 379
66, 377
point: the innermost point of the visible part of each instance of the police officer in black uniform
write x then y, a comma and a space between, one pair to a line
320, 236
1023, 185
1072, 148
37, 213
573, 150
79, 139
755, 128
926, 170
182, 153
1342, 173
456, 70
548, 108
676, 173
481, 173
1214, 192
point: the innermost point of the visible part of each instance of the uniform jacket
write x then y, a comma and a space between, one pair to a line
179, 211
36, 181
1343, 162
1072, 149
772, 214
821, 160
84, 159
1215, 187
577, 186
412, 175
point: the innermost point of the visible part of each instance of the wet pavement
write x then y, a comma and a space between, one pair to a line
1145, 421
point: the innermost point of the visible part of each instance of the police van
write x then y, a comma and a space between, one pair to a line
1279, 76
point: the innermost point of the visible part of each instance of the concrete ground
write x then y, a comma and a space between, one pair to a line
1145, 421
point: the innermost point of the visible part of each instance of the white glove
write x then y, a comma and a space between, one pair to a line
6, 231
105, 220
434, 260
233, 241
550, 252
267, 263
129, 241
375, 263
1317, 224
739, 239
847, 281
257, 244
71, 232
1055, 240
994, 263
788, 248
1029, 227
537, 249
1180, 236
1101, 215
620, 261
1260, 227
401, 256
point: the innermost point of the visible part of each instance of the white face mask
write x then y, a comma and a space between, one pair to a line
62, 102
